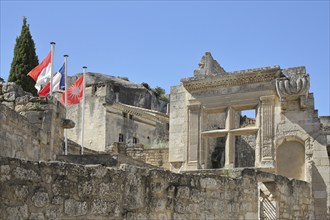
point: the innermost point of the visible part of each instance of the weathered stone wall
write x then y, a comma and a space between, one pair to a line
54, 190
155, 157
102, 126
94, 133
178, 117
147, 132
30, 127
304, 127
19, 138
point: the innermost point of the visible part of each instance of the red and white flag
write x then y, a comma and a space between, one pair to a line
58, 83
75, 92
42, 73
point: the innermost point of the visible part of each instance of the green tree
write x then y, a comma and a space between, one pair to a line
24, 60
146, 85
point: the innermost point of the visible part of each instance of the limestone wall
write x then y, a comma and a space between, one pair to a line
19, 138
30, 127
156, 157
178, 120
148, 132
94, 133
54, 190
303, 127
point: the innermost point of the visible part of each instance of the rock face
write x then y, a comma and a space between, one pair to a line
55, 190
126, 92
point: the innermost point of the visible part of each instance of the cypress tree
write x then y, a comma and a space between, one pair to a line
24, 60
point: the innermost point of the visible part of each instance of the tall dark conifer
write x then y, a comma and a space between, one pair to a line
24, 60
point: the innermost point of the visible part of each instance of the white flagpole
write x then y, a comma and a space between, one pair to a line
52, 50
83, 112
66, 100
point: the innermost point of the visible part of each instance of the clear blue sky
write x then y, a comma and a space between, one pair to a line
162, 42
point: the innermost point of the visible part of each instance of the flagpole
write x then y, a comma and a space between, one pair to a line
52, 50
83, 112
66, 101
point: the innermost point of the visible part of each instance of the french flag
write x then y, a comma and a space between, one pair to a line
42, 72
58, 83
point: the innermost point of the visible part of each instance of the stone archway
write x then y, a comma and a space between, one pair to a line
290, 160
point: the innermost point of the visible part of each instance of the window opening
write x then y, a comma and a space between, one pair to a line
216, 155
135, 140
245, 146
124, 114
121, 138
245, 118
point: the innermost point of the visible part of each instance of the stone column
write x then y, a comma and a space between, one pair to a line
230, 140
267, 131
193, 136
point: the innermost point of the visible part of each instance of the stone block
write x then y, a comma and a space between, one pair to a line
5, 173
54, 213
40, 199
24, 174
100, 207
9, 104
10, 96
75, 208
37, 216
18, 212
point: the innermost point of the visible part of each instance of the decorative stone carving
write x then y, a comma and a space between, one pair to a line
267, 129
292, 86
237, 78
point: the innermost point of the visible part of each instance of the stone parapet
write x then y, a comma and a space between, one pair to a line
56, 190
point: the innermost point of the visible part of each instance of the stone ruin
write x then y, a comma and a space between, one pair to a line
242, 145
283, 134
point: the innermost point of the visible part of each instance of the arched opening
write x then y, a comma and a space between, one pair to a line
290, 157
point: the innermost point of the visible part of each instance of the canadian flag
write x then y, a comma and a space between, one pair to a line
42, 72
75, 92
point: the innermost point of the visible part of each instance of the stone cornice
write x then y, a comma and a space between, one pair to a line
142, 112
236, 78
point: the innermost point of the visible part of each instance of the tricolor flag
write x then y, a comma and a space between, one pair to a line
42, 72
75, 92
58, 83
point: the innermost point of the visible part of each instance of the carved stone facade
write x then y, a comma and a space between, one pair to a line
289, 138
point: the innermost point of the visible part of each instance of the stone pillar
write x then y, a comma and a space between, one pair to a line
309, 159
267, 131
193, 136
230, 140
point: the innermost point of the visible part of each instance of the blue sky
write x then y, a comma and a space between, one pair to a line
162, 42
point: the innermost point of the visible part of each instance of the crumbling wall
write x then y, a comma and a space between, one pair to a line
30, 127
155, 157
55, 190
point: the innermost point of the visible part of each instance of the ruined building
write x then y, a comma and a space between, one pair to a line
117, 110
285, 135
